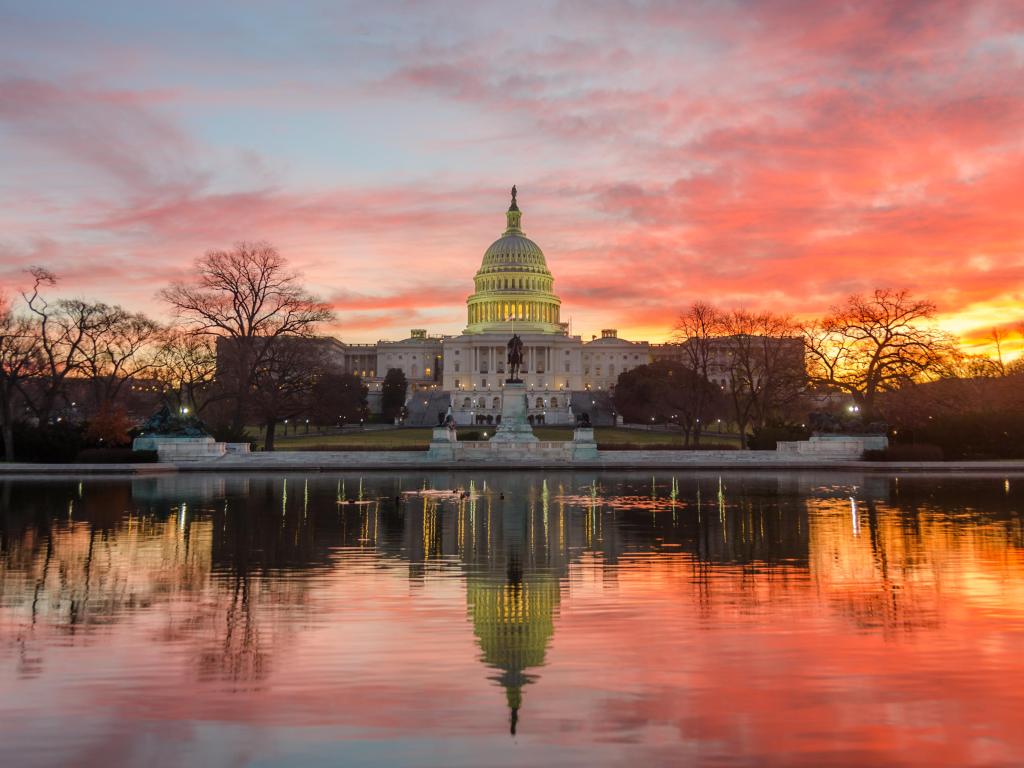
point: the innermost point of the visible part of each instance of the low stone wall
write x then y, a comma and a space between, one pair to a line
833, 446
444, 449
175, 449
551, 455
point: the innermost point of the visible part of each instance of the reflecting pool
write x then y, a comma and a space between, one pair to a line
510, 619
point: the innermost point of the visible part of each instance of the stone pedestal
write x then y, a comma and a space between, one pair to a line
514, 427
169, 448
442, 435
833, 446
443, 444
583, 445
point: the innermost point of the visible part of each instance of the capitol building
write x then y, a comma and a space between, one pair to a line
513, 292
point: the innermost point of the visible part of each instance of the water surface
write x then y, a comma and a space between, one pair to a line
474, 618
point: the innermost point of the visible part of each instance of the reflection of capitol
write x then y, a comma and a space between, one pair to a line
512, 546
513, 622
231, 556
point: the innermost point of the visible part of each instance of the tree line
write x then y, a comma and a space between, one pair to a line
763, 373
241, 349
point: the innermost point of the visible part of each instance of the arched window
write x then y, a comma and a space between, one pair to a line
540, 402
554, 402
496, 403
465, 403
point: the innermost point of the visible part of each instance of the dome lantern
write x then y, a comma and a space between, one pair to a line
513, 215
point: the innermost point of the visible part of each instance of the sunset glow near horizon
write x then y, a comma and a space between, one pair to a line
769, 155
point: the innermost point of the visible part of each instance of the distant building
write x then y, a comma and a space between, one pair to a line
721, 352
513, 293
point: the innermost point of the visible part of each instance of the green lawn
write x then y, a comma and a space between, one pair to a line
419, 437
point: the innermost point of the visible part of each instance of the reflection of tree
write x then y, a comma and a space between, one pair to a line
889, 570
68, 564
237, 655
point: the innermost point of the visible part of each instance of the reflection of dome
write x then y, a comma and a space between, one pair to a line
514, 621
513, 284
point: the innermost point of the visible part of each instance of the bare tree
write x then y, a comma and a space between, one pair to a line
186, 365
959, 365
697, 330
19, 360
874, 344
61, 329
765, 367
997, 337
117, 347
248, 299
284, 382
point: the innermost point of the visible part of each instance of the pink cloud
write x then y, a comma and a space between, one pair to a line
776, 154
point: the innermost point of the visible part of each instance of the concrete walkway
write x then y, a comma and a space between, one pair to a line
390, 461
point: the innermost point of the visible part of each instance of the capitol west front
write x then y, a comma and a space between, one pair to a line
514, 292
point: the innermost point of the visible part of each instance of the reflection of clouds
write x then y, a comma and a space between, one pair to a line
618, 607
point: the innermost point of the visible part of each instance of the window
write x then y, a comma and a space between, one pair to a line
466, 403
567, 366
496, 403
554, 402
456, 366
457, 384
483, 382
426, 371
540, 402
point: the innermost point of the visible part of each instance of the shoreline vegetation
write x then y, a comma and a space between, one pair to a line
244, 358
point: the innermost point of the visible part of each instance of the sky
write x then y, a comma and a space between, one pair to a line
768, 155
